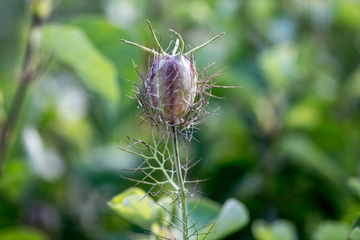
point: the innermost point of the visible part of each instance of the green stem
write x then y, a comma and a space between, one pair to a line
181, 185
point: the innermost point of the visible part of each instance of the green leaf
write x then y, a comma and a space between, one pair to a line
229, 218
331, 231
354, 234
132, 206
233, 217
277, 230
205, 212
354, 185
23, 233
303, 151
348, 13
14, 179
71, 46
279, 64
106, 37
354, 230
166, 207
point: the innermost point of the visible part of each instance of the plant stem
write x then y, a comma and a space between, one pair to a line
181, 185
26, 76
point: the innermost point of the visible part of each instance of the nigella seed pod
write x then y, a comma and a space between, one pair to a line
171, 94
172, 86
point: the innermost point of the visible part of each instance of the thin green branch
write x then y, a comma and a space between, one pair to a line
139, 46
181, 194
181, 40
202, 45
154, 36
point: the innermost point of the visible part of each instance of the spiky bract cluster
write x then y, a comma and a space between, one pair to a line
173, 94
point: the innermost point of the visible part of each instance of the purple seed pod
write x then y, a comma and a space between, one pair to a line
172, 94
172, 86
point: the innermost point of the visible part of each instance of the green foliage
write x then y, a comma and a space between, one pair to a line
286, 144
232, 217
23, 233
331, 231
134, 207
142, 211
69, 45
277, 230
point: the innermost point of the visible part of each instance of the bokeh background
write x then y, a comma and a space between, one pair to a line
286, 144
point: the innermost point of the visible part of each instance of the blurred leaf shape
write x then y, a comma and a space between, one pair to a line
143, 212
166, 206
233, 217
229, 218
277, 230
348, 13
354, 185
279, 64
134, 207
354, 234
23, 233
105, 37
71, 46
303, 115
14, 179
303, 151
331, 230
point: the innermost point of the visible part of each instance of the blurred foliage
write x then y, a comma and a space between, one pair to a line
286, 144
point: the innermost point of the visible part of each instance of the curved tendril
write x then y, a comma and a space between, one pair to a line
154, 36
175, 47
181, 40
202, 45
139, 46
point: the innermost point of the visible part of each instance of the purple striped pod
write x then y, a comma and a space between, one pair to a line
172, 86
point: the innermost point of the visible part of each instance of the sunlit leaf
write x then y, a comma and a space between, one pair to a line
233, 217
331, 231
206, 211
71, 46
348, 13
166, 207
277, 230
23, 233
132, 206
279, 64
354, 234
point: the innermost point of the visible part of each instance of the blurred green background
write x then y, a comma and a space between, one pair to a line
286, 144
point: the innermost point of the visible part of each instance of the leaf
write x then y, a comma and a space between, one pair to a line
303, 151
348, 13
71, 46
205, 212
354, 185
14, 179
233, 217
105, 37
354, 234
229, 218
355, 229
23, 233
166, 206
132, 206
279, 64
331, 231
277, 230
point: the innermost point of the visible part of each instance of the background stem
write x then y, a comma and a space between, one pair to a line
27, 75
181, 185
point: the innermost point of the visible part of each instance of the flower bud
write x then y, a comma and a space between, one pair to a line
172, 86
169, 93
